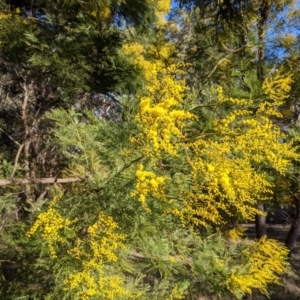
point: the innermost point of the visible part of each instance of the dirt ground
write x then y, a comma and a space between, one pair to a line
291, 288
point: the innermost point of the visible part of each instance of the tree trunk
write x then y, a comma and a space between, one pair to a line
295, 227
260, 223
261, 32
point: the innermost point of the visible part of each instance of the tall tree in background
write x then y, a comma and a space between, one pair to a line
52, 55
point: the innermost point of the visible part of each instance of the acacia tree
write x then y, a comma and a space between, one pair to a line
154, 171
237, 52
159, 181
288, 44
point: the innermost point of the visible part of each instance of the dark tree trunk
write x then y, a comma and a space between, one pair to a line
260, 223
295, 227
261, 32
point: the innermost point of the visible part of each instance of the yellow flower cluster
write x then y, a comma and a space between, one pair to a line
97, 284
137, 53
50, 223
230, 188
256, 137
161, 117
236, 233
148, 183
101, 13
162, 8
266, 261
103, 242
5, 16
235, 101
225, 182
103, 239
224, 173
225, 178
177, 294
268, 109
225, 124
92, 281
278, 86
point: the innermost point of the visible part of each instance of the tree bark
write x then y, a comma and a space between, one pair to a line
293, 234
260, 223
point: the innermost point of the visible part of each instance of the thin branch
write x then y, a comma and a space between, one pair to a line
136, 256
17, 160
10, 137
26, 89
215, 68
49, 180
